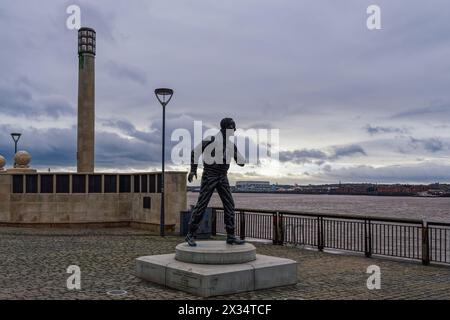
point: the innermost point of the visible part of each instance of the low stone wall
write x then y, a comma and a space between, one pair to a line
22, 201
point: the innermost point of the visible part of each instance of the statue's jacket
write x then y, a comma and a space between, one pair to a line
217, 153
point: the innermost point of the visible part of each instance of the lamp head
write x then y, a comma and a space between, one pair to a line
164, 95
86, 41
16, 136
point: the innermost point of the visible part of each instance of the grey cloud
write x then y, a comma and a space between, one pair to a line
346, 151
152, 135
129, 129
48, 147
123, 71
20, 102
117, 152
302, 156
149, 139
432, 111
308, 155
426, 172
100, 17
431, 144
56, 107
57, 147
374, 130
258, 125
154, 129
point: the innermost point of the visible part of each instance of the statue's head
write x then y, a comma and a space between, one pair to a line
227, 124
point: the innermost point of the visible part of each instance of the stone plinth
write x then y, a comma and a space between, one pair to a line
215, 252
206, 280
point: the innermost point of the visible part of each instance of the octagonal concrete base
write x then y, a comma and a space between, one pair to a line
208, 280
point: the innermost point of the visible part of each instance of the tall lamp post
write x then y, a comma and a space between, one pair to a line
164, 95
15, 137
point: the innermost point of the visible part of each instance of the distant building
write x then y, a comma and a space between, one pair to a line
253, 186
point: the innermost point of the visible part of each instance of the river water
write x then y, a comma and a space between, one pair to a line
431, 209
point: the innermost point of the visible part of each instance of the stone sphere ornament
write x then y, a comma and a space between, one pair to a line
22, 159
2, 163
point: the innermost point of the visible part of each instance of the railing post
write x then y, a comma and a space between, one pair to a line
275, 228
367, 238
323, 233
214, 222
425, 244
320, 233
280, 229
242, 222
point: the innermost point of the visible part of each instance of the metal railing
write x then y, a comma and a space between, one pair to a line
393, 237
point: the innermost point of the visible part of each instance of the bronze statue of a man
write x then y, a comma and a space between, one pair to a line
217, 153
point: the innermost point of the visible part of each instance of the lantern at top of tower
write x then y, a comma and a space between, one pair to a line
86, 41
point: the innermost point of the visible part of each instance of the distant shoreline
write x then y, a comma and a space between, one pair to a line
413, 195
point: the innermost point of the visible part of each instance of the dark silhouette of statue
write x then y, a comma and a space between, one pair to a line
217, 154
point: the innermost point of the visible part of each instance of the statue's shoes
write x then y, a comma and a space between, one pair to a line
234, 240
190, 240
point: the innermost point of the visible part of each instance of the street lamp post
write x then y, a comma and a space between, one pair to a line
15, 137
164, 95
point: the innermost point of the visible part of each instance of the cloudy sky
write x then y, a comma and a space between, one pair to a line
351, 104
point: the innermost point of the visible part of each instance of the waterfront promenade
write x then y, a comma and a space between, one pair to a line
33, 265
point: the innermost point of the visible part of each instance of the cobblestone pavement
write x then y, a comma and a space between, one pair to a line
33, 265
